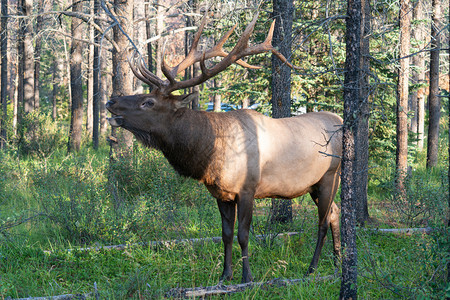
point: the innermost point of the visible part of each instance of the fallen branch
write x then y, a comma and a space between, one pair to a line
221, 289
214, 239
59, 297
426, 230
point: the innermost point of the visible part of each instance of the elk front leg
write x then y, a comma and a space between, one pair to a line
228, 214
245, 213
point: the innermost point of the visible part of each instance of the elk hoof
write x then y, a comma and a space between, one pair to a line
247, 279
226, 276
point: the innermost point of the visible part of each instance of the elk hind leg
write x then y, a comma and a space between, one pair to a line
228, 215
323, 195
245, 213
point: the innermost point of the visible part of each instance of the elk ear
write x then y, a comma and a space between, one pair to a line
185, 100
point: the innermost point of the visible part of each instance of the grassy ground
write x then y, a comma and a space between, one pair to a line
55, 202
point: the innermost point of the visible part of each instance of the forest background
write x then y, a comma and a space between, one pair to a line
65, 182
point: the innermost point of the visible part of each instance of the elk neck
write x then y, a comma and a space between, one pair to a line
189, 142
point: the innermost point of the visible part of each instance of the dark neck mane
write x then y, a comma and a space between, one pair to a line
188, 144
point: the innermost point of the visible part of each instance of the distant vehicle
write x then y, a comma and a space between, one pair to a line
223, 107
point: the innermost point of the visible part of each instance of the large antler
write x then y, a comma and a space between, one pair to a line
240, 50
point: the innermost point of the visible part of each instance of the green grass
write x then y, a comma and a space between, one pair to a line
75, 205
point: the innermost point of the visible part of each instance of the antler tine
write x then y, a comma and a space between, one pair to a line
217, 50
267, 46
149, 78
142, 73
190, 59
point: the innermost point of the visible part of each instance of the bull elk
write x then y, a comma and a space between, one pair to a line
238, 155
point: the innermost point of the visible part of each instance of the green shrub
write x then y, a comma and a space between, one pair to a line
40, 135
426, 198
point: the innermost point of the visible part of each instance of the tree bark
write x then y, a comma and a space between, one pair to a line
4, 73
27, 57
96, 83
418, 77
37, 53
434, 102
362, 134
149, 32
351, 115
217, 103
58, 69
283, 13
402, 97
90, 77
105, 88
122, 81
76, 81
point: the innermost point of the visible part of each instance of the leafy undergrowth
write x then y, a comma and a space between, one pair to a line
60, 202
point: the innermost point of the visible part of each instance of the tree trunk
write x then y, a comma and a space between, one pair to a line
159, 43
122, 76
448, 211
96, 82
434, 102
76, 81
362, 134
90, 78
283, 13
58, 66
418, 76
217, 104
351, 115
4, 73
27, 56
402, 97
149, 32
140, 33
37, 53
105, 88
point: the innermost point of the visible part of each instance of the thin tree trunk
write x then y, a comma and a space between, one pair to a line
362, 134
283, 13
418, 77
149, 32
159, 43
37, 53
90, 79
122, 76
434, 102
402, 97
4, 73
28, 57
56, 78
351, 115
217, 104
96, 83
105, 88
76, 81
448, 211
139, 35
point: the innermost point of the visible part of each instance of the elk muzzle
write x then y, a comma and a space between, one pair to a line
115, 120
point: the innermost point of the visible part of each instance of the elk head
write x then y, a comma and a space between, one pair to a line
153, 111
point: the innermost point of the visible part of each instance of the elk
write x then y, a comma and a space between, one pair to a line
238, 155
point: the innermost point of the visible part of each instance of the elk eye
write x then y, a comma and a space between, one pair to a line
147, 104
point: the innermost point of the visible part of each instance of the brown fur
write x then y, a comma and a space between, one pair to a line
242, 155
